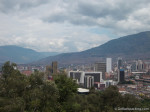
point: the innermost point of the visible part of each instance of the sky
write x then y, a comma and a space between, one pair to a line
70, 25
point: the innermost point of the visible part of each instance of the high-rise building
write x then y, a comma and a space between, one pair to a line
108, 65
119, 63
139, 65
48, 70
121, 75
88, 81
78, 76
54, 67
133, 66
101, 67
97, 76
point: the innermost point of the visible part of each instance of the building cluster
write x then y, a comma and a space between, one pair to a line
131, 76
48, 70
28, 70
51, 70
96, 77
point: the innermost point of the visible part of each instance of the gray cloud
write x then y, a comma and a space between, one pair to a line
7, 6
64, 25
108, 14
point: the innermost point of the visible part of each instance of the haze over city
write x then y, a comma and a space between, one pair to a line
69, 26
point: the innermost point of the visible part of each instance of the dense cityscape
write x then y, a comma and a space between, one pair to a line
132, 77
128, 81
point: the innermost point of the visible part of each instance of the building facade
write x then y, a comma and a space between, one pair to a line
97, 76
101, 67
79, 76
119, 63
108, 65
54, 67
88, 81
121, 75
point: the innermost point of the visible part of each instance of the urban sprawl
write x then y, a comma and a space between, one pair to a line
131, 77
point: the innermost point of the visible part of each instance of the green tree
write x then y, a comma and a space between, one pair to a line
130, 101
20, 93
145, 102
12, 86
66, 87
41, 95
111, 98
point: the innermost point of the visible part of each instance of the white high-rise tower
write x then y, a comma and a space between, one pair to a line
108, 65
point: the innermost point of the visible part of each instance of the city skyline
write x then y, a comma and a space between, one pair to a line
69, 26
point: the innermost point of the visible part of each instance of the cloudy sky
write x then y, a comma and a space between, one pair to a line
70, 25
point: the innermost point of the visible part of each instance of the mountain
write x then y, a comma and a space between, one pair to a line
134, 46
46, 54
21, 55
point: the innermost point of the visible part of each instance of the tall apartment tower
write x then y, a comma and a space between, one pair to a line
108, 65
101, 67
121, 75
139, 65
119, 63
133, 67
54, 67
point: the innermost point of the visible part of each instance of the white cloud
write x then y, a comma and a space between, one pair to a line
64, 25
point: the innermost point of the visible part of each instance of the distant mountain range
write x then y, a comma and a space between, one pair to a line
21, 55
136, 46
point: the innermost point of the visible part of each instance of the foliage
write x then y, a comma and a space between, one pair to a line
19, 93
131, 101
146, 102
67, 89
126, 82
66, 86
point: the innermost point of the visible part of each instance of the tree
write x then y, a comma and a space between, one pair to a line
12, 86
66, 87
145, 102
41, 95
8, 69
131, 101
19, 93
111, 98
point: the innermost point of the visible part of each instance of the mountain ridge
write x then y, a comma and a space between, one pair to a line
130, 46
21, 55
